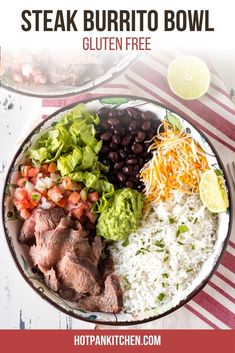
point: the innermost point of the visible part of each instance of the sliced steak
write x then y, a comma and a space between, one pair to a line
40, 221
97, 247
28, 229
80, 275
51, 280
47, 220
110, 301
47, 252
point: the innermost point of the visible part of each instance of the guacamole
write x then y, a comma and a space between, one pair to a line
122, 217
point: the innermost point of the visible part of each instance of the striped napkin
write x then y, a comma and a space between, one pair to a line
214, 114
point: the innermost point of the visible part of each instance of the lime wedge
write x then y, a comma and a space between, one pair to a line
188, 77
213, 192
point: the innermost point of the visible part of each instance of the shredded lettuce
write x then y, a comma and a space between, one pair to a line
72, 144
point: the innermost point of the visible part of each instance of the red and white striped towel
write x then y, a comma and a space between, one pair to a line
214, 306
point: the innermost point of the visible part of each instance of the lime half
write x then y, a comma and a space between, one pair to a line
188, 77
213, 192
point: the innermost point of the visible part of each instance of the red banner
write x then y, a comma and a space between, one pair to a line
85, 341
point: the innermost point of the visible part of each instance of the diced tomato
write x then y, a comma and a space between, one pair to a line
78, 212
91, 216
25, 214
24, 169
74, 197
33, 181
21, 182
62, 202
55, 194
22, 205
35, 198
52, 167
68, 184
87, 205
20, 194
44, 168
33, 172
93, 196
44, 193
67, 193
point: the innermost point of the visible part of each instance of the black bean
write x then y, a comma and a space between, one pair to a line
127, 170
147, 145
123, 154
135, 170
112, 113
133, 179
132, 112
147, 115
106, 135
141, 162
140, 136
137, 148
132, 161
116, 139
104, 124
120, 112
129, 184
104, 149
121, 177
127, 149
114, 156
144, 155
132, 126
105, 161
149, 136
146, 125
126, 140
156, 123
113, 146
118, 130
113, 121
119, 165
103, 112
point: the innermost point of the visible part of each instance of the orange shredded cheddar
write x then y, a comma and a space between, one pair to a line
177, 164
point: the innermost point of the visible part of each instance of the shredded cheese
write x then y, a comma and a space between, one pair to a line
177, 164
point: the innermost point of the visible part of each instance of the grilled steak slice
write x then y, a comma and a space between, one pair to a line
80, 275
39, 222
51, 280
28, 229
47, 220
110, 301
47, 252
96, 248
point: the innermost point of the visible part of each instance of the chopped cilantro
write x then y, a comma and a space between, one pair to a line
35, 197
125, 243
180, 243
165, 275
181, 229
172, 220
193, 247
161, 297
159, 243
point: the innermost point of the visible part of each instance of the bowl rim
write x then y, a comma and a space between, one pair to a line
76, 91
132, 322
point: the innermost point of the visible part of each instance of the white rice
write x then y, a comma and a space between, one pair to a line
158, 265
